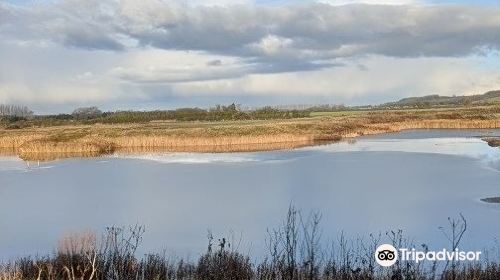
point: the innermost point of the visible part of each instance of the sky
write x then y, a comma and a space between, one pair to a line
56, 55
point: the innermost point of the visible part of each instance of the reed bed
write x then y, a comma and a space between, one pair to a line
10, 274
15, 141
218, 148
231, 136
166, 141
447, 124
42, 149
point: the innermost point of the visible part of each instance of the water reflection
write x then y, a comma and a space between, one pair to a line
57, 155
371, 185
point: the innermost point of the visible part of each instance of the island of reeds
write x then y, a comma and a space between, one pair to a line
89, 131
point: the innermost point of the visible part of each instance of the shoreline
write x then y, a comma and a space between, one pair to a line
492, 141
35, 147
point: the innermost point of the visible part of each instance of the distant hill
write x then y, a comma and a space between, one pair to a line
437, 100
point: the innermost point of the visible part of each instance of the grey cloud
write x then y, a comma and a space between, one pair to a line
289, 65
178, 75
5, 15
215, 62
287, 38
324, 31
400, 31
86, 39
73, 23
215, 70
215, 29
362, 67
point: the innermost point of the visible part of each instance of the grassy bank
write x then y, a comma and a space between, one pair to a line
38, 142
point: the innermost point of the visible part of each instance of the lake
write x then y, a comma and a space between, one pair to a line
411, 180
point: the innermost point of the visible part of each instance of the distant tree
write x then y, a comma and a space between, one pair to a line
231, 107
87, 112
15, 111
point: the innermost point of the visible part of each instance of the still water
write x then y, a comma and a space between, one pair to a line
412, 181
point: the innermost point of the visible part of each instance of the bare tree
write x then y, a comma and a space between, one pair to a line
119, 250
15, 111
311, 245
79, 248
454, 234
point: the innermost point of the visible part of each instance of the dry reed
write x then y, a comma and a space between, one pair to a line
94, 140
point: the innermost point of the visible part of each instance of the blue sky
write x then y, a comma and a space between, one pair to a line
150, 54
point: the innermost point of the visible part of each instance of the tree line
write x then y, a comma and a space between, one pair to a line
15, 111
216, 113
18, 117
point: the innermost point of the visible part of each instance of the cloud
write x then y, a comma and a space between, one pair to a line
59, 79
215, 62
380, 79
156, 66
153, 66
68, 53
373, 2
273, 35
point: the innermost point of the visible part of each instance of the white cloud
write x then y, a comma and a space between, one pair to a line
378, 78
73, 52
160, 66
371, 2
219, 2
272, 45
155, 76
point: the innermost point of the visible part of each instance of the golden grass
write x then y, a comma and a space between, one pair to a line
175, 141
218, 148
49, 143
11, 275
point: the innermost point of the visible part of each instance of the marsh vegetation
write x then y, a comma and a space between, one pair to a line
295, 250
88, 135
